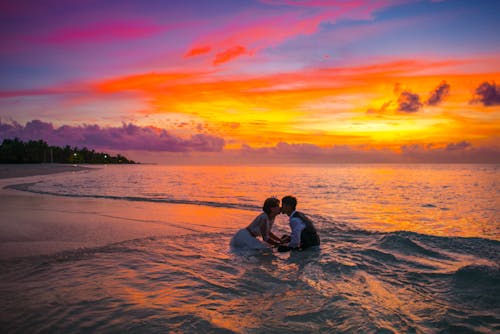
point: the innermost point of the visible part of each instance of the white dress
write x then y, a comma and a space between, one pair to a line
246, 238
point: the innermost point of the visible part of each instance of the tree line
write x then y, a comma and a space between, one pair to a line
38, 151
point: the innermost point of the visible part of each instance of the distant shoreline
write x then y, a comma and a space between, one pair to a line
8, 171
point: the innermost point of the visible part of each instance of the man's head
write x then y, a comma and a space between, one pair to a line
288, 205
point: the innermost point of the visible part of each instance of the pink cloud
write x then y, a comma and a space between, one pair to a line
318, 3
103, 31
229, 54
126, 137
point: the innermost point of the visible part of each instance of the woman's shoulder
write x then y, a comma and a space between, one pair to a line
259, 217
262, 217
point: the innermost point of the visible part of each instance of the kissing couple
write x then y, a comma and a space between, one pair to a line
303, 233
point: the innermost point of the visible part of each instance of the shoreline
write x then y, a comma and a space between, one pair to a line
9, 171
41, 224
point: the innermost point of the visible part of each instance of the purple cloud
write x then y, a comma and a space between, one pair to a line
463, 145
438, 95
461, 152
488, 94
310, 153
409, 102
126, 137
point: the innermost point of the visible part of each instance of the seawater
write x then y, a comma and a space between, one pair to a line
447, 200
405, 249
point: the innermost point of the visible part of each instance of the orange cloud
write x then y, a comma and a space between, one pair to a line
198, 51
148, 82
323, 106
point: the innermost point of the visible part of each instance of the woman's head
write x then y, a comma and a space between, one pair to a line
270, 204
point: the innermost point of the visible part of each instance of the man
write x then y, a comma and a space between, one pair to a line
304, 234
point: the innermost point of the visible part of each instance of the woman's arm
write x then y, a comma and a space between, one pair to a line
267, 235
274, 237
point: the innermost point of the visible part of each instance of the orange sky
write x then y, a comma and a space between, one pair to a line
327, 106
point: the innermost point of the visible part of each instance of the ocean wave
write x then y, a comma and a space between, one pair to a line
400, 243
478, 275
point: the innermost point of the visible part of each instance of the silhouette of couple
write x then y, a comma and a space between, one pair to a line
303, 233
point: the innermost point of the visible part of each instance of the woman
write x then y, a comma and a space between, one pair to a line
246, 238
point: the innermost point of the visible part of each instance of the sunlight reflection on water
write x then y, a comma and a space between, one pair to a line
460, 200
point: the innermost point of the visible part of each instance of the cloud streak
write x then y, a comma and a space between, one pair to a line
126, 137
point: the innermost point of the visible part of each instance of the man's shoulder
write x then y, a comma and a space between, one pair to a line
299, 215
302, 217
296, 220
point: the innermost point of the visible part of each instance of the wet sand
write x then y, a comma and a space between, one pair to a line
34, 224
23, 170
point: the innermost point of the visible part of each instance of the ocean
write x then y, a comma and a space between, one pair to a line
405, 249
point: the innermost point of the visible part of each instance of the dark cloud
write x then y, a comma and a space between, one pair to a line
439, 94
126, 137
409, 102
488, 94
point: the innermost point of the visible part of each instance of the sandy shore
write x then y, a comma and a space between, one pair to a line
23, 170
34, 224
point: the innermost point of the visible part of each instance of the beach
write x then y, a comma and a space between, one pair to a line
8, 171
39, 224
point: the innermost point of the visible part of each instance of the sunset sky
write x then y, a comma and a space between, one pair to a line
262, 81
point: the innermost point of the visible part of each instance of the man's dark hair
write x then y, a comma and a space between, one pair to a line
289, 200
270, 203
